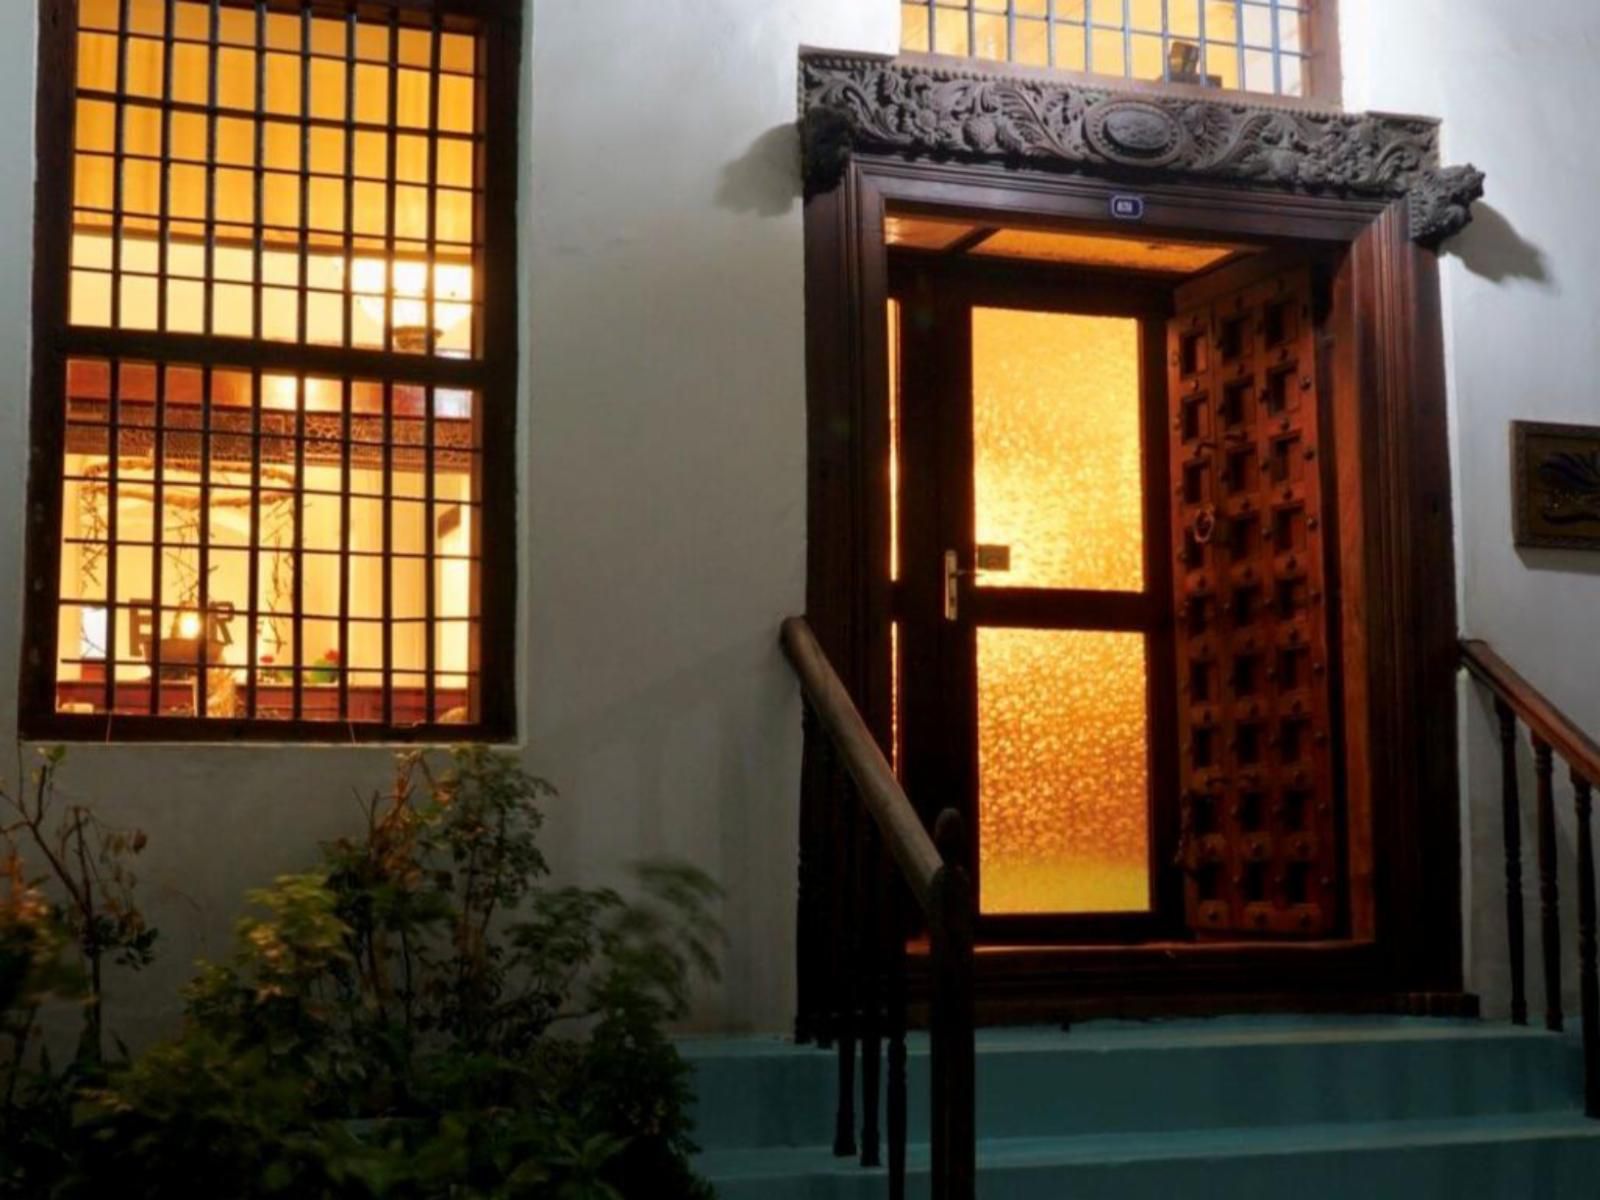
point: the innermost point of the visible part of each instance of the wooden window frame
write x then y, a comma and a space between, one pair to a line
493, 374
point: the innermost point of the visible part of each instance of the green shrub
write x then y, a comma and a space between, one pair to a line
423, 1016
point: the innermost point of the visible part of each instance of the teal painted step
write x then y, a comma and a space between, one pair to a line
1312, 1107
1120, 1077
1548, 1156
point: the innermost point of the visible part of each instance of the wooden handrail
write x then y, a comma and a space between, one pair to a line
881, 793
1548, 723
1553, 733
870, 997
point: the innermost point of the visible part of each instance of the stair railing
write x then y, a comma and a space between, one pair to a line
1553, 735
879, 862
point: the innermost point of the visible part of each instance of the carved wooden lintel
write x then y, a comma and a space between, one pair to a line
867, 102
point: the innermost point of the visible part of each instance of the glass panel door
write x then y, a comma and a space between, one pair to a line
1058, 503
1032, 593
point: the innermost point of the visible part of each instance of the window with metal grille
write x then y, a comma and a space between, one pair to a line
275, 370
1250, 45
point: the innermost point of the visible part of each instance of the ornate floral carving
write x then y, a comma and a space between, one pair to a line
867, 102
1441, 202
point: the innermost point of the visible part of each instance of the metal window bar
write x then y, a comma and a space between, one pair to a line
1238, 42
1166, 40
113, 609
119, 162
253, 564
430, 395
219, 426
1127, 38
1277, 50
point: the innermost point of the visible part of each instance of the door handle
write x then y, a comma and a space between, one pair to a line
990, 558
952, 585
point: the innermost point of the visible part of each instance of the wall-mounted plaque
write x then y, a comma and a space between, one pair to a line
1556, 484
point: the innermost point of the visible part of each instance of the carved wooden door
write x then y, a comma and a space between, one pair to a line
1259, 845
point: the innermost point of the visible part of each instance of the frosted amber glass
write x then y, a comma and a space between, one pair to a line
1057, 473
1063, 781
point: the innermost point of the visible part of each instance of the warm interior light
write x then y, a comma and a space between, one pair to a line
407, 297
1063, 788
189, 625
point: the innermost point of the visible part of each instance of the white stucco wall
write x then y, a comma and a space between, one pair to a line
1522, 304
662, 449
662, 476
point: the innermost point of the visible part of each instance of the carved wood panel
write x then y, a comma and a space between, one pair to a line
918, 107
1259, 844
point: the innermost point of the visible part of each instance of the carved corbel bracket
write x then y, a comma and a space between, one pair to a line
869, 103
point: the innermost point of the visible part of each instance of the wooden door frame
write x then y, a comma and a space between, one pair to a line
868, 149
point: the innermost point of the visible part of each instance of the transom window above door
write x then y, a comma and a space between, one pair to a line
1248, 45
276, 371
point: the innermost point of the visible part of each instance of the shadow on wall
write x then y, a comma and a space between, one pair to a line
765, 179
1491, 249
1568, 562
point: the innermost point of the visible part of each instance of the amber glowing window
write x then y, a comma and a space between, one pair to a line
1253, 45
280, 397
1057, 448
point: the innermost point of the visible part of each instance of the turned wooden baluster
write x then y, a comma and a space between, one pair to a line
873, 865
811, 934
1549, 894
845, 957
896, 1006
1588, 966
954, 1133
1511, 816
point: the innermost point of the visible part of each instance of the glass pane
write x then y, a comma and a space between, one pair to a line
1222, 20
991, 33
1183, 18
913, 27
1293, 69
1063, 785
189, 203
1222, 64
950, 32
1148, 62
225, 550
1258, 26
1056, 448
1291, 30
1032, 48
1070, 47
1107, 49
1145, 15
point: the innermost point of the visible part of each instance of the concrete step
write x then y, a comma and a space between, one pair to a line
1107, 1078
1551, 1156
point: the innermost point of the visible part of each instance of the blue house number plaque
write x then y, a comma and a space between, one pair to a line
1127, 208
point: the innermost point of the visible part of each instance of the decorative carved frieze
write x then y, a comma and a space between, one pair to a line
866, 102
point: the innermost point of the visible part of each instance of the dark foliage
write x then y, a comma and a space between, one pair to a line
422, 1017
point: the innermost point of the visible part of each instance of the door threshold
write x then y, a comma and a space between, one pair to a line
1038, 1010
1170, 948
1029, 984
